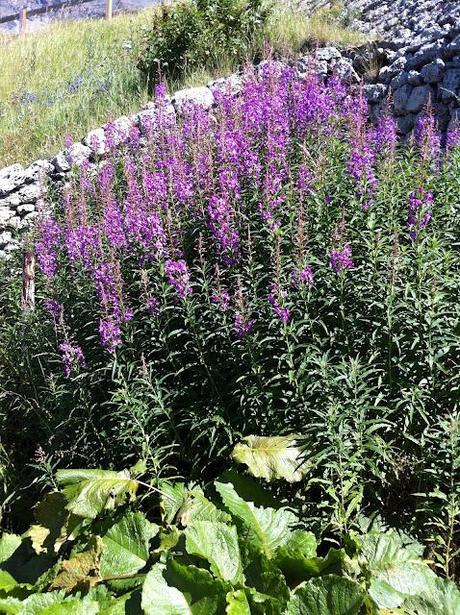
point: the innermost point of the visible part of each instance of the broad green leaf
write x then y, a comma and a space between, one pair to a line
249, 489
180, 505
126, 545
209, 605
237, 603
10, 606
37, 603
128, 604
271, 457
262, 604
7, 582
81, 571
218, 544
8, 545
173, 500
263, 575
198, 508
384, 549
89, 492
440, 597
193, 581
72, 607
403, 579
268, 528
298, 567
160, 599
329, 595
25, 565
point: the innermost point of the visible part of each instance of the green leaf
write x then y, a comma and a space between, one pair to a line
249, 489
440, 596
173, 500
128, 604
298, 567
268, 528
271, 458
193, 581
160, 599
8, 545
218, 544
37, 603
126, 545
237, 603
10, 606
72, 607
263, 575
401, 579
89, 492
329, 595
7, 582
209, 605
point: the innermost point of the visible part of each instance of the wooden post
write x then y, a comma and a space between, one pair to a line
28, 282
108, 9
23, 22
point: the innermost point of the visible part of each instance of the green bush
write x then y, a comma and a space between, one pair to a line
198, 34
119, 542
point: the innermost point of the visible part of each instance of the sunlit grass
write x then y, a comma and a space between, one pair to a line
71, 77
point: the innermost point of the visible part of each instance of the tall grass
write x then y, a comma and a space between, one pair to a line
72, 77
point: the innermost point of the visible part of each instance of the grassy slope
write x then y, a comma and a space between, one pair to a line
71, 77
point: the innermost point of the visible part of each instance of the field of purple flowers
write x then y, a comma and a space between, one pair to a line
277, 265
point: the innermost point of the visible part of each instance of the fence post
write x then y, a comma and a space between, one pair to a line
23, 21
28, 282
108, 9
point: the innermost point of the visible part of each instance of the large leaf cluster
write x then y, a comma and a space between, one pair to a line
96, 548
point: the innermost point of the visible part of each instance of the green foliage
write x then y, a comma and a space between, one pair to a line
198, 33
253, 563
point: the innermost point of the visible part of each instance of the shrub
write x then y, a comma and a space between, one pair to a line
277, 265
198, 34
106, 542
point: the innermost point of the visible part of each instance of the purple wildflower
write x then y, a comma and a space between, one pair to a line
48, 244
110, 333
221, 222
302, 277
419, 211
222, 299
179, 277
152, 306
342, 259
276, 299
55, 309
72, 357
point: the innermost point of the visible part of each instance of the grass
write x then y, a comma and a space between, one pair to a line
71, 77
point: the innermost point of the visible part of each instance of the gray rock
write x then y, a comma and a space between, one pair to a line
344, 70
30, 193
96, 141
118, 130
38, 170
450, 86
11, 178
426, 54
201, 96
400, 98
25, 209
232, 84
414, 78
405, 123
14, 223
5, 238
399, 80
74, 155
375, 93
418, 98
433, 72
5, 214
327, 54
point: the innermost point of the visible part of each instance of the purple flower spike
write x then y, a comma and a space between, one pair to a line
341, 259
72, 357
179, 277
